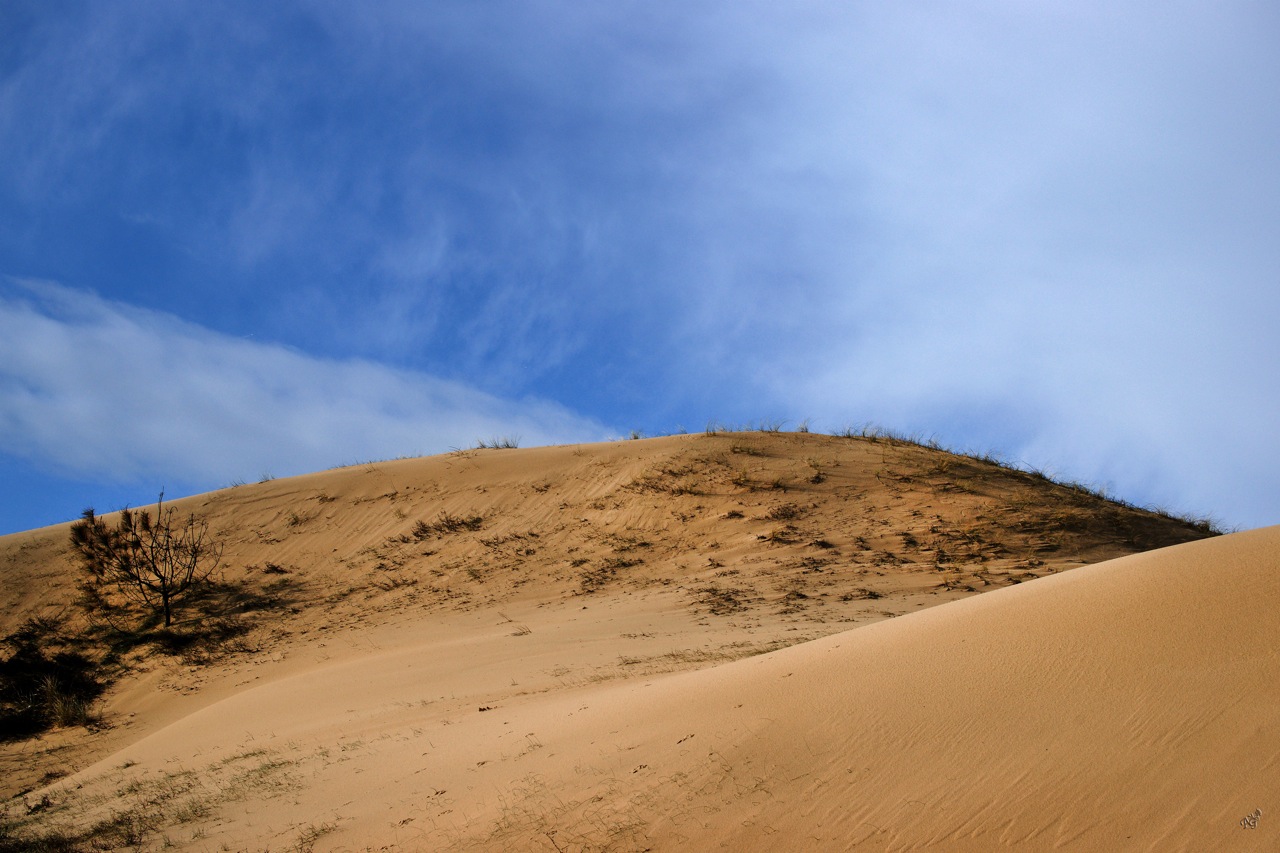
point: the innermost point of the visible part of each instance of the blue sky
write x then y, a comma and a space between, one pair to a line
243, 240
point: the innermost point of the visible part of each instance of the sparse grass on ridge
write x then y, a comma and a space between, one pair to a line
875, 434
870, 432
506, 442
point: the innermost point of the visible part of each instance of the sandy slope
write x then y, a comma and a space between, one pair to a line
1127, 705
1130, 705
557, 679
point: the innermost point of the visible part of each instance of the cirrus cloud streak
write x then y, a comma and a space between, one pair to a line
92, 387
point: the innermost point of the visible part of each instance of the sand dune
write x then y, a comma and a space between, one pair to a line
1128, 704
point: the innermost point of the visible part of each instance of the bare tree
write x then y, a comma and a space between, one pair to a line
153, 562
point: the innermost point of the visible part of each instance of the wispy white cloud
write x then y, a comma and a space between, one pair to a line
97, 388
1069, 263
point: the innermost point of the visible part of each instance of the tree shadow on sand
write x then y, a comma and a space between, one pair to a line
53, 668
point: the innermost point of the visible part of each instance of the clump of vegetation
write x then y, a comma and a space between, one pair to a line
722, 601
45, 681
146, 809
150, 562
784, 512
594, 579
294, 519
446, 523
12, 840
787, 534
506, 442
794, 600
